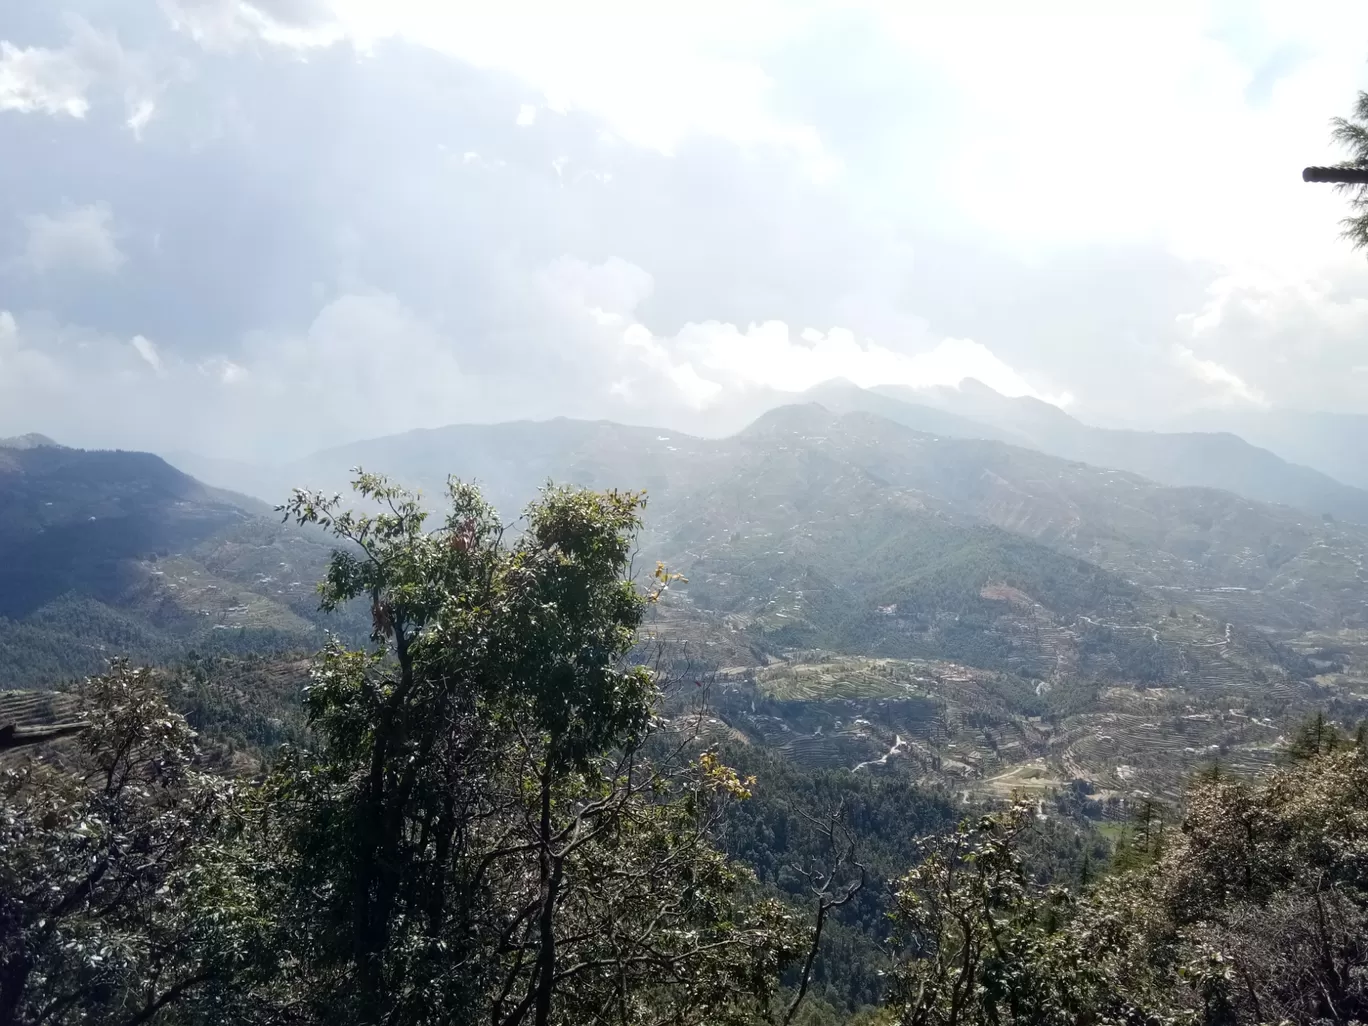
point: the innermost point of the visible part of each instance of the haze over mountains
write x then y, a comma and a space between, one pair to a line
1211, 458
1332, 443
862, 569
496, 454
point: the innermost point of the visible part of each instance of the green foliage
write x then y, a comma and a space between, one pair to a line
124, 893
481, 797
1352, 134
1315, 737
777, 829
1255, 911
479, 835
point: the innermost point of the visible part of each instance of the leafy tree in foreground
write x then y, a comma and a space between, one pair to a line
481, 837
497, 824
124, 893
1256, 911
979, 946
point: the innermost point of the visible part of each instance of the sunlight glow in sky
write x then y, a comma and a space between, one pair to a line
323, 219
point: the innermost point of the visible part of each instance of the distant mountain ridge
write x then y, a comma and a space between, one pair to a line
1184, 459
1332, 443
1188, 537
1202, 459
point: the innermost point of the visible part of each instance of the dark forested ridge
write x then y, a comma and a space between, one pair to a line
107, 552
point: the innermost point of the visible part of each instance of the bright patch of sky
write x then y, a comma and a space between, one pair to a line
305, 219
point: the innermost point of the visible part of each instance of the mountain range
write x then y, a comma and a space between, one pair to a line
1330, 442
1207, 459
498, 454
866, 577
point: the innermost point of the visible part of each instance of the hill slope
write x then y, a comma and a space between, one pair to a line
107, 552
869, 594
1206, 459
1330, 442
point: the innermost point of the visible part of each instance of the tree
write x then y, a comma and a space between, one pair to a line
481, 836
1316, 736
969, 934
123, 892
1352, 134
1255, 912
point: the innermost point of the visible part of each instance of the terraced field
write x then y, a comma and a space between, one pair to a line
36, 708
27, 709
988, 733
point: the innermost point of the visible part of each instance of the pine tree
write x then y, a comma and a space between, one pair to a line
1352, 134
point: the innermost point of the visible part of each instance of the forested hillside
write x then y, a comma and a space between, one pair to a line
860, 634
118, 553
861, 593
514, 805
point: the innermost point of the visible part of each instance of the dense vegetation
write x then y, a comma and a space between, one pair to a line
477, 833
498, 811
1252, 911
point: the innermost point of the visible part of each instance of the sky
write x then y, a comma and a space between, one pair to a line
254, 228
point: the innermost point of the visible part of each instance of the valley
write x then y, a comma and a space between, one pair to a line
859, 594
905, 623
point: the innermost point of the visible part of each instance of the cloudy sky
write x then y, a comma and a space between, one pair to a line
255, 227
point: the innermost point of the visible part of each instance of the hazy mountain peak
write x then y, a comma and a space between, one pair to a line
32, 440
795, 418
832, 387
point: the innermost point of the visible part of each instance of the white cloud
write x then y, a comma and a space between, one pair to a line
139, 116
79, 239
364, 359
148, 352
21, 365
223, 370
1296, 340
35, 79
1181, 123
228, 24
1036, 167
706, 362
655, 74
51, 372
1229, 386
768, 355
365, 366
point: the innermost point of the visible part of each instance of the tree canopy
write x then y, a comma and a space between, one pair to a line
475, 831
498, 812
